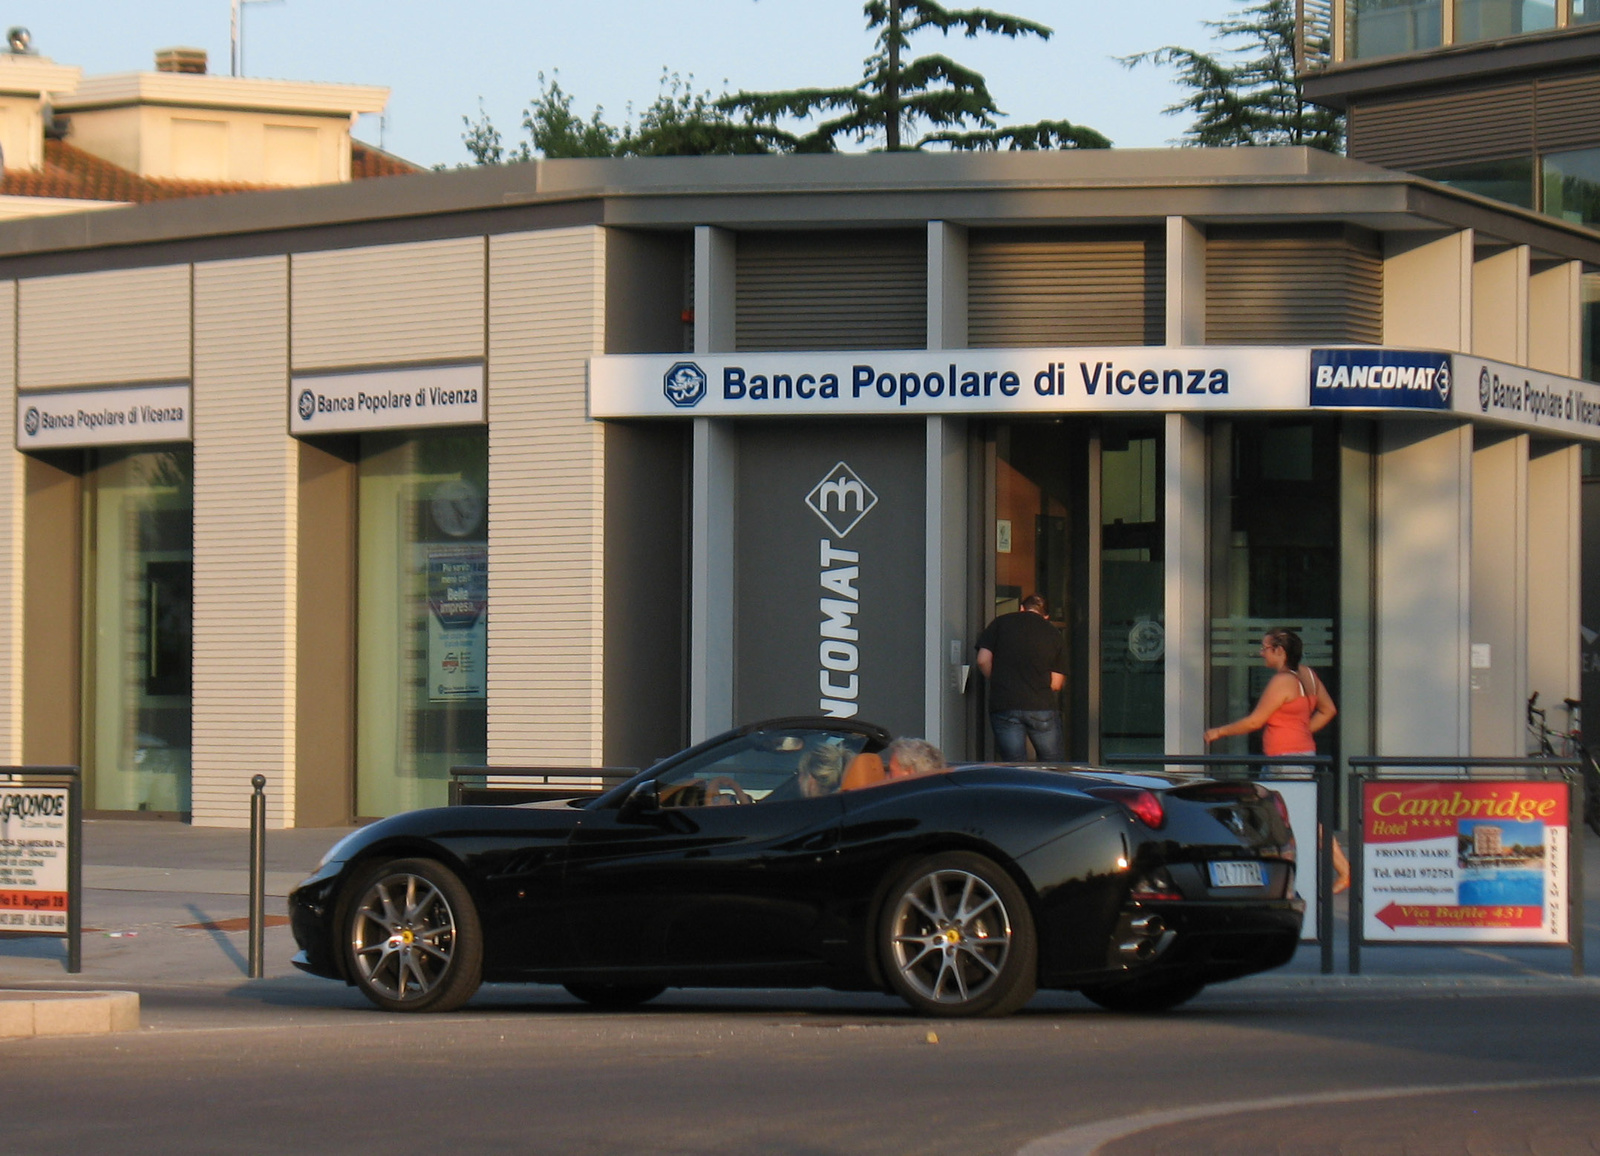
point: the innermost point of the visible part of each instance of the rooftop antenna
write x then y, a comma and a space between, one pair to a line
236, 33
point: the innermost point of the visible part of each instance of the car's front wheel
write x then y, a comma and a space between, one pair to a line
412, 939
1148, 996
956, 937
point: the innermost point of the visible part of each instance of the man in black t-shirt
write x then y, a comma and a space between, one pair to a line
1023, 658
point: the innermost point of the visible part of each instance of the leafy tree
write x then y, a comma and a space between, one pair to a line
1250, 93
896, 94
679, 122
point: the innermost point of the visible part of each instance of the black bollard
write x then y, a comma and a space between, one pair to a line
258, 876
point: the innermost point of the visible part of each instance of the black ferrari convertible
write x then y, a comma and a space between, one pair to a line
781, 854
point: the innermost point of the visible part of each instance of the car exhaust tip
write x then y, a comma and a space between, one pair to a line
1147, 938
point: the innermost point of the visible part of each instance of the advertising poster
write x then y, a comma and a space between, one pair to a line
33, 859
458, 622
1460, 861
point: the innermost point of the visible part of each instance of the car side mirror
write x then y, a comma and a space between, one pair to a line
642, 800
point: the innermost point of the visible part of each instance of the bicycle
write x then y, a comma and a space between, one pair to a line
1571, 747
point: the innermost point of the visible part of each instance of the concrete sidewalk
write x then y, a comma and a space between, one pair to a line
166, 904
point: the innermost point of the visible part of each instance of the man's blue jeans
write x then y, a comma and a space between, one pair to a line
1013, 727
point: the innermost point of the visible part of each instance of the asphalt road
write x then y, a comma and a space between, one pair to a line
295, 1065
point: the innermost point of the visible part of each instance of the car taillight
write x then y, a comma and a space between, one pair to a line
1283, 808
1145, 805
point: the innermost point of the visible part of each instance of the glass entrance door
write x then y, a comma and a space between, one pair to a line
138, 558
1077, 518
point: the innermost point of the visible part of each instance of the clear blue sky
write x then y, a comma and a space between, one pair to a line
439, 59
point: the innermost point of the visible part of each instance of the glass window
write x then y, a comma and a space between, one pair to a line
1572, 186
775, 765
422, 605
1490, 19
1274, 554
1585, 12
1387, 27
1591, 326
1132, 591
1509, 180
138, 536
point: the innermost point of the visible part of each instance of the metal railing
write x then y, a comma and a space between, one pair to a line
1316, 769
536, 782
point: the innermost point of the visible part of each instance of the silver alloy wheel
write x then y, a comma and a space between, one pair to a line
402, 936
950, 936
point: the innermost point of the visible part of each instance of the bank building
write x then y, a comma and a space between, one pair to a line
571, 463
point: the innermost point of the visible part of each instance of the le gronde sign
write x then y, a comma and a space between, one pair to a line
1158, 379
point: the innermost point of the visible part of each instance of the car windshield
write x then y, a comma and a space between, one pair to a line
767, 764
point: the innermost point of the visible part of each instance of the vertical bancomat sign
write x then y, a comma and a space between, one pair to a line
829, 565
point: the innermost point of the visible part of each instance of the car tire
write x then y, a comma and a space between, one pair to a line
956, 937
411, 937
615, 996
1156, 996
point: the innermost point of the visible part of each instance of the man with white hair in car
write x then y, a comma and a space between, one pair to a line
907, 758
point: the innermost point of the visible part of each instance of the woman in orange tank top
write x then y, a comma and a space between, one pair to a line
1294, 706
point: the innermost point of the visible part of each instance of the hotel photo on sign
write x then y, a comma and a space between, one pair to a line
1460, 861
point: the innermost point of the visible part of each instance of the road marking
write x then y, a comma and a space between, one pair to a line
1088, 1139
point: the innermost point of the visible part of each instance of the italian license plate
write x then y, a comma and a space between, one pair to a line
1237, 874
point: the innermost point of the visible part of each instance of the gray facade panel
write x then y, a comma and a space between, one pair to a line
782, 644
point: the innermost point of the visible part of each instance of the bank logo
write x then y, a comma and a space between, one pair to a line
1483, 389
841, 499
30, 420
684, 384
307, 405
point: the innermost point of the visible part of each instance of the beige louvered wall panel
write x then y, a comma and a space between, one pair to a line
866, 290
1420, 132
389, 304
1293, 290
546, 493
245, 485
96, 328
1569, 113
11, 542
1053, 291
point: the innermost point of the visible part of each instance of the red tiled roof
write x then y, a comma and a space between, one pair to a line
71, 173
367, 161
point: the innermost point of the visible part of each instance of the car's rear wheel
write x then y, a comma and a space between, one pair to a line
1146, 996
956, 938
615, 996
412, 939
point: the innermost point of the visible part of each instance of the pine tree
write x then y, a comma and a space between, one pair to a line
1250, 94
895, 94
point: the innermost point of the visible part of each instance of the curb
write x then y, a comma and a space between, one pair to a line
25, 1014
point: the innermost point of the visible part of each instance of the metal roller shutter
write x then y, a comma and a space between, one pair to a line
851, 291
1056, 289
1423, 131
1293, 288
1569, 113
